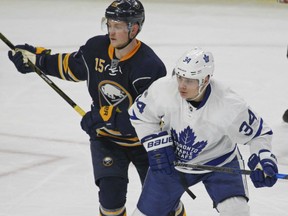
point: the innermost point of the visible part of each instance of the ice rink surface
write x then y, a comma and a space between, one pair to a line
45, 165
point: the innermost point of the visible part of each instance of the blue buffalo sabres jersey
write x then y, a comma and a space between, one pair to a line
207, 134
110, 81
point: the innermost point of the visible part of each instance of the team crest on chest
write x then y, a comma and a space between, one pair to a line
187, 147
113, 93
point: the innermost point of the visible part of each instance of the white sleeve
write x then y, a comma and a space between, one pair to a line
145, 113
249, 128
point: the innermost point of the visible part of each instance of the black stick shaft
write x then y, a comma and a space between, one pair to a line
223, 169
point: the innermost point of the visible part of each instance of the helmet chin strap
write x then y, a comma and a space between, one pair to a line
129, 40
202, 88
126, 44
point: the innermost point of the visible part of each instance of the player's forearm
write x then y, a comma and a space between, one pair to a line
63, 66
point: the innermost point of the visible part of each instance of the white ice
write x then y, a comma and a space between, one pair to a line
45, 165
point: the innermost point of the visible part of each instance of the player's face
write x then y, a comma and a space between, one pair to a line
118, 32
188, 88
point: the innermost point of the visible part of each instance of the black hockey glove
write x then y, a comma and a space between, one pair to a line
161, 152
285, 116
24, 52
264, 169
98, 118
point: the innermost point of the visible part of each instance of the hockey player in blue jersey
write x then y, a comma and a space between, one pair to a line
202, 123
117, 68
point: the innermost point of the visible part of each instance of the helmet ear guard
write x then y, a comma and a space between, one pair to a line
195, 64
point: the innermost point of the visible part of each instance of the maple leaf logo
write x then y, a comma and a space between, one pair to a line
186, 146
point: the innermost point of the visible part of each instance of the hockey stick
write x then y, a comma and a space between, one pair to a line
47, 80
223, 169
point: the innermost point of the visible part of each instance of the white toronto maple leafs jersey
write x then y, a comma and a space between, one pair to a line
206, 135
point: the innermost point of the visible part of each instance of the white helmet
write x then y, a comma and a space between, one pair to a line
195, 64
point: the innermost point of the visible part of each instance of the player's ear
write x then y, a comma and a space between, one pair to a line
134, 30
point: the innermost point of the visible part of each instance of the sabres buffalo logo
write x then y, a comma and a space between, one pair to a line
107, 161
113, 93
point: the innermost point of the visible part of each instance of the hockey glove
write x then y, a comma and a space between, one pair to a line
285, 116
24, 52
264, 169
161, 152
98, 118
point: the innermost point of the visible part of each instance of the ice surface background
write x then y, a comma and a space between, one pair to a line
45, 164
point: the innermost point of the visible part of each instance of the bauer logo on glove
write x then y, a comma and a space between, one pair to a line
156, 141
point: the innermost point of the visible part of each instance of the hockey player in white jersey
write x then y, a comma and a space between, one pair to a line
204, 121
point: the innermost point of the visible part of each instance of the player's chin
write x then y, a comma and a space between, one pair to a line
184, 95
114, 43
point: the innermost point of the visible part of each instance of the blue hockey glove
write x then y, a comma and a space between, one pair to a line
98, 118
264, 169
24, 52
161, 152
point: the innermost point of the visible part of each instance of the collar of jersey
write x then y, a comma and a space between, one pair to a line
129, 55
